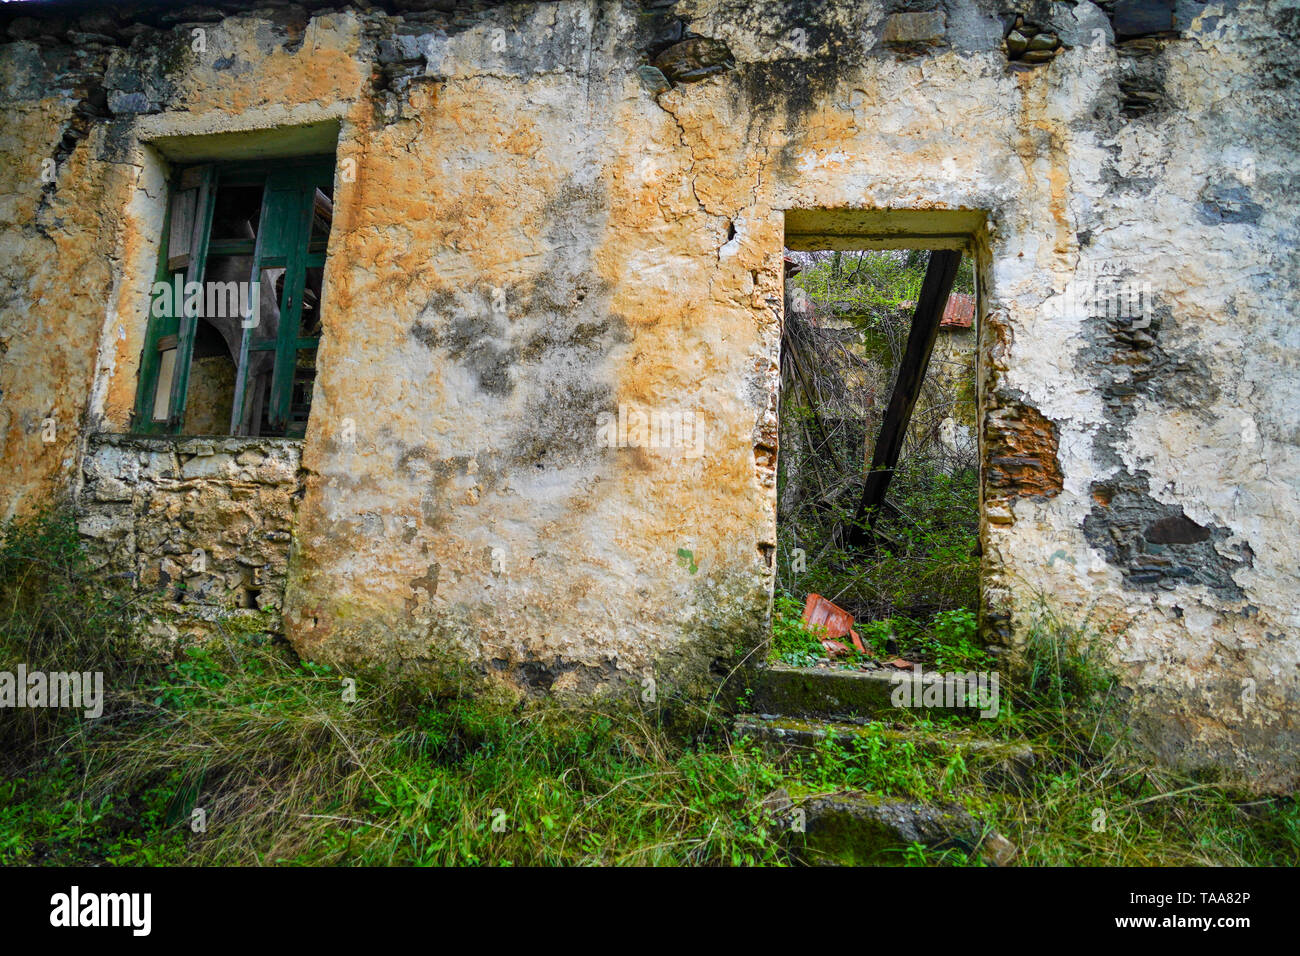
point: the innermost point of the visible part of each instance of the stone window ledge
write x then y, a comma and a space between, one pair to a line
194, 444
116, 464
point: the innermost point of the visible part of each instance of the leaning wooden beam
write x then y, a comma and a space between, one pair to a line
939, 276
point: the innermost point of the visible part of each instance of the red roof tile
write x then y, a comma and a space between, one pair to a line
959, 313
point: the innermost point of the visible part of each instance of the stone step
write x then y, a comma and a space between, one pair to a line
832, 693
1000, 764
857, 828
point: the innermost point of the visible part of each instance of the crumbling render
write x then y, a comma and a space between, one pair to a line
1021, 454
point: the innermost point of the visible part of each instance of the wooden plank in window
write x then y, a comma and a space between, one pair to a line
183, 234
162, 393
181, 237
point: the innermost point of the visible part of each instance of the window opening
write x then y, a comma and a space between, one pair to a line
235, 316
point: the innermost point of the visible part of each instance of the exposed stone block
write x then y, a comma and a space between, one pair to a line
1133, 18
924, 27
1022, 454
694, 59
209, 466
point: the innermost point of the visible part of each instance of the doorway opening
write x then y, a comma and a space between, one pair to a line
878, 474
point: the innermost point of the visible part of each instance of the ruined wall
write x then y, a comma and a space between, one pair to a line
203, 526
55, 271
558, 209
956, 366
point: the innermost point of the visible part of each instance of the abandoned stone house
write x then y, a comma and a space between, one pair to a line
475, 231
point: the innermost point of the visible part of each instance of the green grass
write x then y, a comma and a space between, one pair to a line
287, 769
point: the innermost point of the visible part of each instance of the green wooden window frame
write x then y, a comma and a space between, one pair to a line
284, 240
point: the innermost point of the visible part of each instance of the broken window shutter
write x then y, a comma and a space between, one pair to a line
291, 199
272, 251
201, 180
184, 218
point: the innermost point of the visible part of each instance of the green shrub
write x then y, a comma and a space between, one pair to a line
926, 562
952, 642
1068, 663
792, 642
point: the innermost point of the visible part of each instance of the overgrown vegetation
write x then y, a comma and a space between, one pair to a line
839, 360
288, 769
283, 765
57, 615
873, 282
